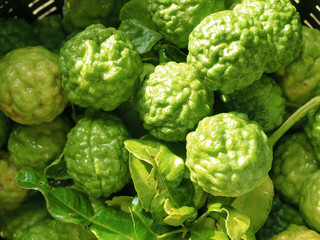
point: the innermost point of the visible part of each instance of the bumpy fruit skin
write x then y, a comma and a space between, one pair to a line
312, 129
15, 33
280, 217
172, 100
228, 51
95, 155
5, 128
78, 14
294, 161
310, 201
51, 229
300, 80
282, 23
99, 68
30, 212
30, 85
262, 101
11, 195
296, 232
228, 155
50, 32
36, 146
176, 19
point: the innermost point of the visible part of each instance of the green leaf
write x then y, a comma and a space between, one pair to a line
135, 22
154, 168
178, 216
256, 203
207, 233
142, 38
112, 223
144, 224
144, 184
57, 169
72, 206
64, 204
122, 202
235, 223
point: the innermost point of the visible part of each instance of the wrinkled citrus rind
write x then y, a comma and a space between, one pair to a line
37, 146
30, 85
31, 211
228, 155
296, 232
176, 19
11, 195
294, 161
76, 16
312, 129
171, 101
95, 155
300, 79
15, 33
228, 51
281, 216
262, 101
100, 68
282, 23
50, 32
309, 201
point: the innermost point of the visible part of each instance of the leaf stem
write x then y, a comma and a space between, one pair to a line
167, 234
295, 117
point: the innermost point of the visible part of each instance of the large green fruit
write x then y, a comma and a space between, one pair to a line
37, 146
95, 155
30, 84
228, 155
172, 100
11, 195
99, 68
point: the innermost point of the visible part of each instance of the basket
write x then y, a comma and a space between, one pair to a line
31, 10
309, 11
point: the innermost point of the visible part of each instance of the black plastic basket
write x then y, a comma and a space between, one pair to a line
309, 11
30, 10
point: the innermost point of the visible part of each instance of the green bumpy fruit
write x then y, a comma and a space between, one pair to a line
15, 33
172, 100
294, 161
295, 232
312, 129
77, 16
99, 68
95, 155
282, 23
30, 85
50, 32
228, 51
51, 229
228, 155
262, 101
310, 201
176, 19
30, 212
11, 195
300, 80
37, 146
280, 217
5, 128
